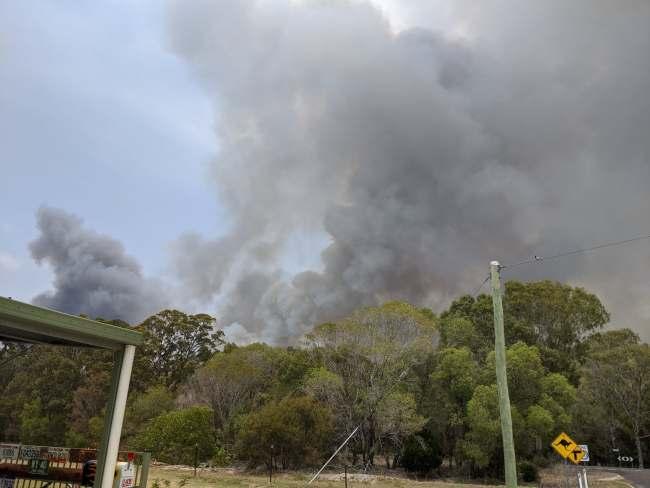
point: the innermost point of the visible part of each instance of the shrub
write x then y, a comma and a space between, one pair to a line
420, 453
172, 437
528, 472
221, 457
290, 433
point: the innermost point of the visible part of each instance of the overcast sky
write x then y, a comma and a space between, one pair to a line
98, 118
234, 157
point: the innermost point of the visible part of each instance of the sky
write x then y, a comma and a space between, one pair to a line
98, 118
280, 163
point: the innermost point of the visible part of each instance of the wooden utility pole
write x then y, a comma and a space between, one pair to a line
509, 460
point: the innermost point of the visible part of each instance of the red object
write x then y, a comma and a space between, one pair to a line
130, 456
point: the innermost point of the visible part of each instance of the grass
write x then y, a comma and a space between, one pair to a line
556, 478
168, 477
183, 477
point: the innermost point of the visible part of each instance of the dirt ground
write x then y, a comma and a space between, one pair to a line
558, 476
183, 477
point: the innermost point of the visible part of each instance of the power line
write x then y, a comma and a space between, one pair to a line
487, 278
537, 259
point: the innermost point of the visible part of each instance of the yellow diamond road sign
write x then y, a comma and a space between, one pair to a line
567, 448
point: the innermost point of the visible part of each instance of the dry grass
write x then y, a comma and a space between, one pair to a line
176, 477
557, 476
183, 477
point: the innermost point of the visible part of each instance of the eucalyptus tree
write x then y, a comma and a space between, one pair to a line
368, 361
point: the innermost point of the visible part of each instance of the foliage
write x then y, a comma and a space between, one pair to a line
367, 358
221, 457
289, 433
33, 423
541, 405
44, 388
555, 317
173, 436
421, 388
175, 345
453, 381
233, 382
618, 377
483, 438
145, 407
528, 472
420, 453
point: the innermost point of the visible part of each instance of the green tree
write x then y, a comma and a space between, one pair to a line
541, 405
525, 373
144, 407
173, 436
232, 383
421, 453
483, 439
49, 374
368, 357
175, 345
287, 434
34, 425
600, 425
560, 318
397, 419
90, 397
555, 317
620, 378
460, 332
453, 382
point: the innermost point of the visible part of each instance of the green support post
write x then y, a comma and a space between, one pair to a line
145, 459
108, 418
107, 455
509, 459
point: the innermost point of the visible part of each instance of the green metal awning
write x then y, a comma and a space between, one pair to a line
22, 322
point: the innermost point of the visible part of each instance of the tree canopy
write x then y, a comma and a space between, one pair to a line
421, 388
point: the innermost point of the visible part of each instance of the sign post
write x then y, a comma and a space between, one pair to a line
569, 450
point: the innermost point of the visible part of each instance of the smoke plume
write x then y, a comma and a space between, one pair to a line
417, 156
93, 274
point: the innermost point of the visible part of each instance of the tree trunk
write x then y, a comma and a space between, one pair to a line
639, 449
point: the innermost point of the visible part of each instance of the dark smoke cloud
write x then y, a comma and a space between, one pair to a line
93, 274
418, 155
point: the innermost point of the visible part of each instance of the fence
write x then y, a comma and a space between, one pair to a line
23, 466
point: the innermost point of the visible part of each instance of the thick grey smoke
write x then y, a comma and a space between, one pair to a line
93, 274
418, 156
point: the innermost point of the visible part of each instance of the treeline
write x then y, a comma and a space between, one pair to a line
420, 387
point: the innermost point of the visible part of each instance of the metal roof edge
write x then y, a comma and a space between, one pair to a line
78, 326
